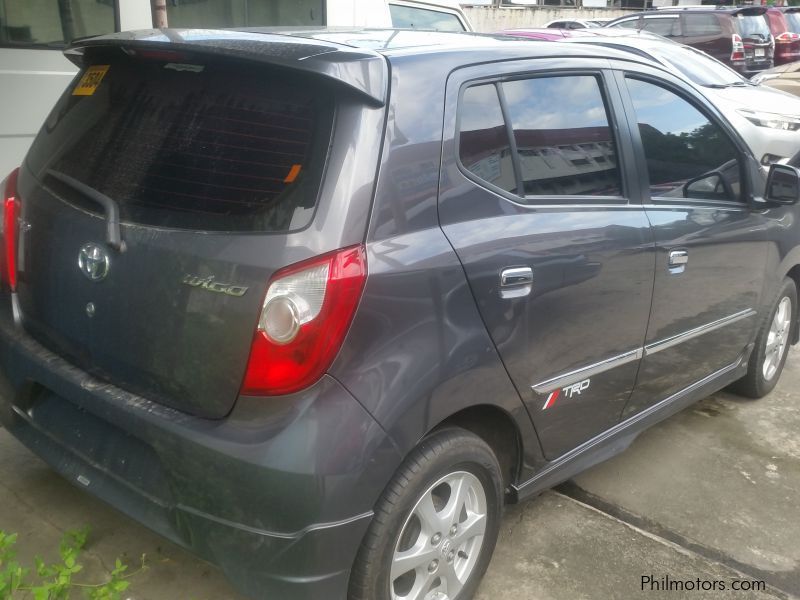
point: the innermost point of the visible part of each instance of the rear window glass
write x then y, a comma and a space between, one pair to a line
207, 146
793, 21
753, 27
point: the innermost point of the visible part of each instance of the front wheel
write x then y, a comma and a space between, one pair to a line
436, 524
772, 345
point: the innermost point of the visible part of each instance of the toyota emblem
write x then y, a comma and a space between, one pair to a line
94, 262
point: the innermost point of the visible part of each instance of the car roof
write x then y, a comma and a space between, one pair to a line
354, 57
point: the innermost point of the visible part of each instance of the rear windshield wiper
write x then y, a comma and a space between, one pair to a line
110, 206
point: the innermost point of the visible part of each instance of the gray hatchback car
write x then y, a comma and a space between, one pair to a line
316, 306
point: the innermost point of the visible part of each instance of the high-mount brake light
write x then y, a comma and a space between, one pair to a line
304, 318
10, 231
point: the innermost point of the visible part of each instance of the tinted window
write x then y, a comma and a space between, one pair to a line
682, 147
666, 26
483, 139
752, 27
793, 21
407, 17
701, 24
227, 148
243, 13
51, 23
562, 134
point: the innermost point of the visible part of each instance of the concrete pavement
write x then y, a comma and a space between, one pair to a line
710, 496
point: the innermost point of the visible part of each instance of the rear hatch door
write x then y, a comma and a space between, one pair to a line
751, 25
211, 163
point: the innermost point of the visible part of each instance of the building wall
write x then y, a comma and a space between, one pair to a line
487, 19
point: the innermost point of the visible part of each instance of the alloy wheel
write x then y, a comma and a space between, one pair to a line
777, 338
440, 542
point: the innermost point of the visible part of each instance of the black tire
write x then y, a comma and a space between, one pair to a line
754, 384
447, 451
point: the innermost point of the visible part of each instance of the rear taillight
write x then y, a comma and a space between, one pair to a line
737, 47
10, 232
305, 316
787, 37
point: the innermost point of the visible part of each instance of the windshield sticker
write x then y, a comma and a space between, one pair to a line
90, 80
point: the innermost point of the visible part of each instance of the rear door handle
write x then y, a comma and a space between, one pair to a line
678, 260
516, 282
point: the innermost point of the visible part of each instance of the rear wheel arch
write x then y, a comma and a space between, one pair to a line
495, 427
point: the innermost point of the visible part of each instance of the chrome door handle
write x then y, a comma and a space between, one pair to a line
678, 260
516, 282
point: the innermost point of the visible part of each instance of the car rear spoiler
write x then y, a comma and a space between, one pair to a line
750, 11
359, 70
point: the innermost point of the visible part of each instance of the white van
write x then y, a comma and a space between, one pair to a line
33, 71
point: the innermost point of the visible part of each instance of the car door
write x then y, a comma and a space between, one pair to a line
711, 247
560, 263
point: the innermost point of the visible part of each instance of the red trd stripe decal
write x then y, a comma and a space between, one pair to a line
551, 399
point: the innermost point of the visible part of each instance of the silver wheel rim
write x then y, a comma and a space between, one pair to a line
440, 542
777, 338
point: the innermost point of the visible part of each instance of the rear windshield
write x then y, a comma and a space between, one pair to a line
793, 21
190, 145
753, 27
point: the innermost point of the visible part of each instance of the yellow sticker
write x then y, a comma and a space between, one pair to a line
90, 80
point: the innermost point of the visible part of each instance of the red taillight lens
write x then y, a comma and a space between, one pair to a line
305, 316
737, 47
787, 37
10, 233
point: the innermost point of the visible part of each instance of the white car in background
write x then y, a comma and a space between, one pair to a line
750, 108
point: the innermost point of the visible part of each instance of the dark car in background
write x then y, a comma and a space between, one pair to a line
739, 37
784, 23
316, 306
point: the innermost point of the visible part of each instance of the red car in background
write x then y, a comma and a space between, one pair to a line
784, 23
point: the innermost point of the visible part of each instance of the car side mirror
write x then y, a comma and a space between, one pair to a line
783, 184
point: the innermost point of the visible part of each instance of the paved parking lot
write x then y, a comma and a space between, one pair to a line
712, 494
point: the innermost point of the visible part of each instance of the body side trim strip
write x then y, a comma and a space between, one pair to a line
561, 381
697, 331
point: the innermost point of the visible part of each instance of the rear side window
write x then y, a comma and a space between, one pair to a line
484, 147
700, 24
688, 156
563, 148
408, 17
207, 146
666, 26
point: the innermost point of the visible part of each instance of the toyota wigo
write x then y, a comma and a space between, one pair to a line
316, 306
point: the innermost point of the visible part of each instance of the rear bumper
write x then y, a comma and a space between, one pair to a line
278, 494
